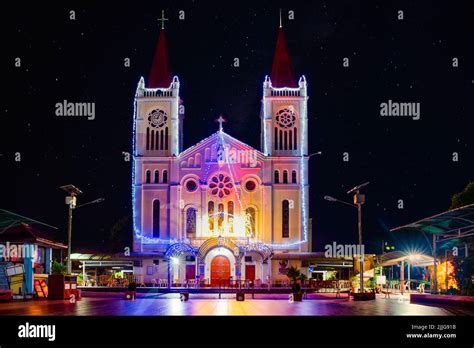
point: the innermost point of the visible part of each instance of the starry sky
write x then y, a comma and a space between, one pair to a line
82, 60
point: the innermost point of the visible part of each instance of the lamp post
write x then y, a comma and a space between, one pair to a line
71, 201
359, 199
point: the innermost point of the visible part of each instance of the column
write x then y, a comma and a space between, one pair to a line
402, 277
48, 260
29, 272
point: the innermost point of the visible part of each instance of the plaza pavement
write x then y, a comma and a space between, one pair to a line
210, 304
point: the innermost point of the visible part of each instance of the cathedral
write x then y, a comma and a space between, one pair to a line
220, 210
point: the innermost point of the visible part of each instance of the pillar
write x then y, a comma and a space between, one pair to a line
28, 265
48, 260
402, 277
169, 272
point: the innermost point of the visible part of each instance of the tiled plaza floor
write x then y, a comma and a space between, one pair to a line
209, 304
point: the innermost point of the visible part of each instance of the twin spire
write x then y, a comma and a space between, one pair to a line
160, 73
161, 77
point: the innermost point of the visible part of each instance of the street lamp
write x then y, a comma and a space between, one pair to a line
359, 199
71, 201
315, 153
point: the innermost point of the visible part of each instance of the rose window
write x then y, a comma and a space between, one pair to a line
157, 118
220, 185
285, 118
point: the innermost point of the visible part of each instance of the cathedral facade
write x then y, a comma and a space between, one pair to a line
220, 210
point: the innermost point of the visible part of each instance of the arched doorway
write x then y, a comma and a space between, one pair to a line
220, 269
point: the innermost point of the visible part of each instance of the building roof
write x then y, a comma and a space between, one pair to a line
282, 72
449, 225
216, 137
24, 233
19, 229
160, 73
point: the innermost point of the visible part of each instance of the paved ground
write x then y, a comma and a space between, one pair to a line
209, 304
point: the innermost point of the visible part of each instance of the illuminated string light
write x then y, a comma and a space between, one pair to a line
148, 240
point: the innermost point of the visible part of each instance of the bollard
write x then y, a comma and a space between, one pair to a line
240, 296
184, 296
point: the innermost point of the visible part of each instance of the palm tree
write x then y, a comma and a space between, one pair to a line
294, 274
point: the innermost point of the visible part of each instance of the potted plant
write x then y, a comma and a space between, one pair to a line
294, 274
56, 281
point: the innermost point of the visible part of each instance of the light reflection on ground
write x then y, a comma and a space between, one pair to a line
210, 304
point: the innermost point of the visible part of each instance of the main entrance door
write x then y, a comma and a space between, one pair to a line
220, 269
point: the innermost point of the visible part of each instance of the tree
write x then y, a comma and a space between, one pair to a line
463, 266
464, 197
294, 274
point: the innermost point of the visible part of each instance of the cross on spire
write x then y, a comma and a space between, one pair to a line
162, 19
220, 120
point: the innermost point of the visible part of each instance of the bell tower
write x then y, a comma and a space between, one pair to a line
284, 107
159, 116
157, 136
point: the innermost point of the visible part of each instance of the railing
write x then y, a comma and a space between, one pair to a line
224, 284
285, 93
157, 93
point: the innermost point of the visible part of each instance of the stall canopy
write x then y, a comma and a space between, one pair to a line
451, 225
9, 219
395, 257
15, 228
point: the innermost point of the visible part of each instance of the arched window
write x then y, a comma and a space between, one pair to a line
230, 216
148, 138
295, 140
162, 138
285, 219
220, 217
276, 178
157, 177
191, 221
147, 177
250, 218
156, 218
210, 214
293, 177
285, 177
290, 140
276, 138
152, 146
165, 176
157, 140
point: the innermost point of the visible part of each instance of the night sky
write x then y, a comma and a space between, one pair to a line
82, 60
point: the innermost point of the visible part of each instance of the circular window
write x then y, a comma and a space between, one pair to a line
157, 118
250, 185
286, 118
191, 185
220, 185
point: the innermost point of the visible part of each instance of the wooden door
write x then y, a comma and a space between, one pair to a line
220, 270
190, 272
249, 272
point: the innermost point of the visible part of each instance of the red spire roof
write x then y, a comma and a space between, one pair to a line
160, 72
282, 73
